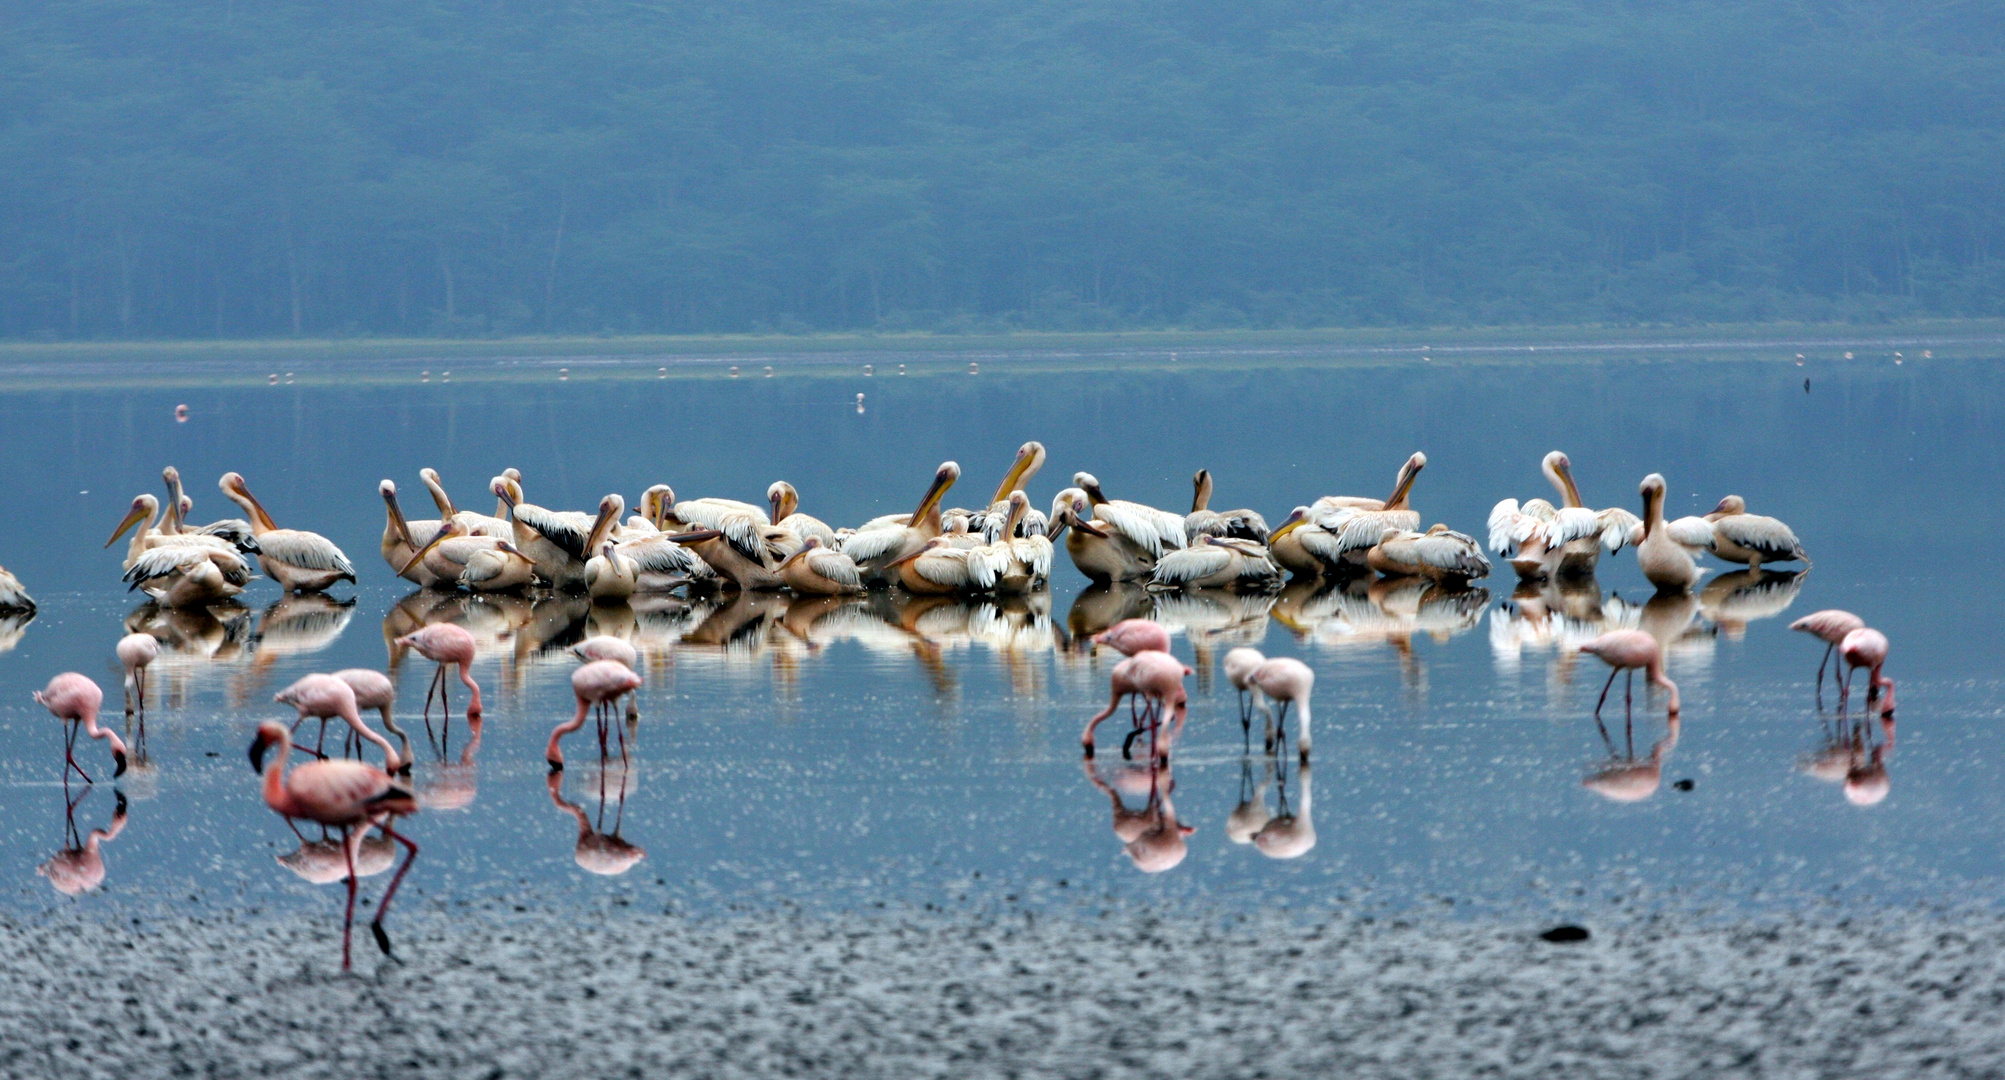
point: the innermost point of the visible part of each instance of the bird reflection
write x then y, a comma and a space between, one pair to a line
13, 627
599, 851
1366, 613
1855, 756
1624, 777
1103, 604
196, 643
325, 862
1151, 837
79, 867
454, 780
1734, 600
1211, 619
1291, 831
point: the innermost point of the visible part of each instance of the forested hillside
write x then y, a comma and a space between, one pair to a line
234, 169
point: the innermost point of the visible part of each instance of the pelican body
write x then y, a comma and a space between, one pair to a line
1667, 563
299, 561
1741, 537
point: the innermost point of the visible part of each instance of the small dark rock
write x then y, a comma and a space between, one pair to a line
1685, 784
1565, 934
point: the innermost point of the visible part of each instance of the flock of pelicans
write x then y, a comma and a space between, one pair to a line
1006, 547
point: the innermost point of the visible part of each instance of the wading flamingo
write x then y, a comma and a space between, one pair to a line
1157, 677
325, 697
445, 643
1866, 648
1290, 682
1239, 665
619, 651
374, 690
75, 700
1829, 626
345, 794
1627, 650
599, 683
136, 652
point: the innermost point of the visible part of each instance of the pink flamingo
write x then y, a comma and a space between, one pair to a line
1159, 678
349, 794
599, 683
75, 700
1290, 682
1829, 626
605, 647
374, 690
1866, 648
326, 697
445, 644
1627, 650
135, 652
1131, 636
1239, 665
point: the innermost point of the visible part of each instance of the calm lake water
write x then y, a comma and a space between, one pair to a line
926, 751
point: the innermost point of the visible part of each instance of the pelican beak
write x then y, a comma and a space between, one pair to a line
1011, 479
777, 502
503, 491
1087, 527
1294, 522
695, 536
137, 515
419, 556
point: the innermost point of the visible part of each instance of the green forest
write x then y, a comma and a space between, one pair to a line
225, 169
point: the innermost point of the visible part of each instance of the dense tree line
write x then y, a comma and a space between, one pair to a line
224, 168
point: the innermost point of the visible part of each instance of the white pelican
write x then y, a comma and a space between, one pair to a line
1302, 547
558, 541
1101, 552
883, 541
664, 563
1204, 521
1664, 561
1153, 530
1029, 459
1567, 539
1026, 558
1741, 537
939, 569
1356, 524
184, 576
1216, 563
13, 597
476, 524
478, 563
1439, 554
298, 560
402, 538
819, 570
611, 574
236, 531
706, 513
228, 555
786, 505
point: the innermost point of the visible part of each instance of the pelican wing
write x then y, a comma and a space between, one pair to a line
1572, 523
568, 529
1766, 535
1321, 543
306, 550
745, 535
871, 544
1455, 552
13, 597
233, 531
946, 566
1203, 523
476, 571
659, 555
835, 566
1360, 530
1694, 533
1185, 565
1034, 552
1617, 525
712, 513
235, 569
1246, 525
161, 561
1509, 527
803, 526
1149, 529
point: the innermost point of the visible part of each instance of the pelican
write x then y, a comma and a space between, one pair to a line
1439, 554
227, 555
476, 524
1026, 559
558, 542
744, 548
662, 562
1100, 552
1147, 527
651, 514
610, 574
939, 569
182, 576
1741, 537
13, 597
477, 563
1349, 525
706, 513
820, 570
786, 502
235, 531
1664, 561
1540, 539
1217, 563
884, 541
1029, 459
1204, 521
299, 561
1301, 547
402, 538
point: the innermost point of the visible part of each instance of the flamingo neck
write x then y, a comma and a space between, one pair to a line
277, 795
92, 729
554, 753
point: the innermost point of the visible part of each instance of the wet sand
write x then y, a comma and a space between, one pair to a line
913, 994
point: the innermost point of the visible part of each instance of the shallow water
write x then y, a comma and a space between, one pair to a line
926, 751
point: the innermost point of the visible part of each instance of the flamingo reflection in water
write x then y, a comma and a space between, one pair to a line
1151, 837
599, 852
1851, 755
348, 795
1625, 777
79, 867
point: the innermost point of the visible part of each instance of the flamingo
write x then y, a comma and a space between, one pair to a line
1290, 682
374, 690
618, 650
1151, 837
348, 794
1866, 648
1627, 650
598, 683
1132, 636
1829, 626
445, 643
325, 697
1157, 677
299, 561
1739, 536
135, 653
1204, 521
1239, 665
75, 700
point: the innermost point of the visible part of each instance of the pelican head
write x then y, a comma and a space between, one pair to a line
1559, 470
1408, 472
1029, 459
807, 545
502, 489
1072, 508
143, 509
1295, 519
943, 478
233, 487
1728, 507
1090, 484
387, 489
1652, 490
783, 498
654, 503
610, 509
449, 530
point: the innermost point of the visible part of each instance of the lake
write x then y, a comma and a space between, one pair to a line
922, 751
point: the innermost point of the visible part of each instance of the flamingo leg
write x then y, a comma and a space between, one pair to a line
622, 733
1603, 700
70, 753
389, 894
1829, 646
348, 844
1086, 737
